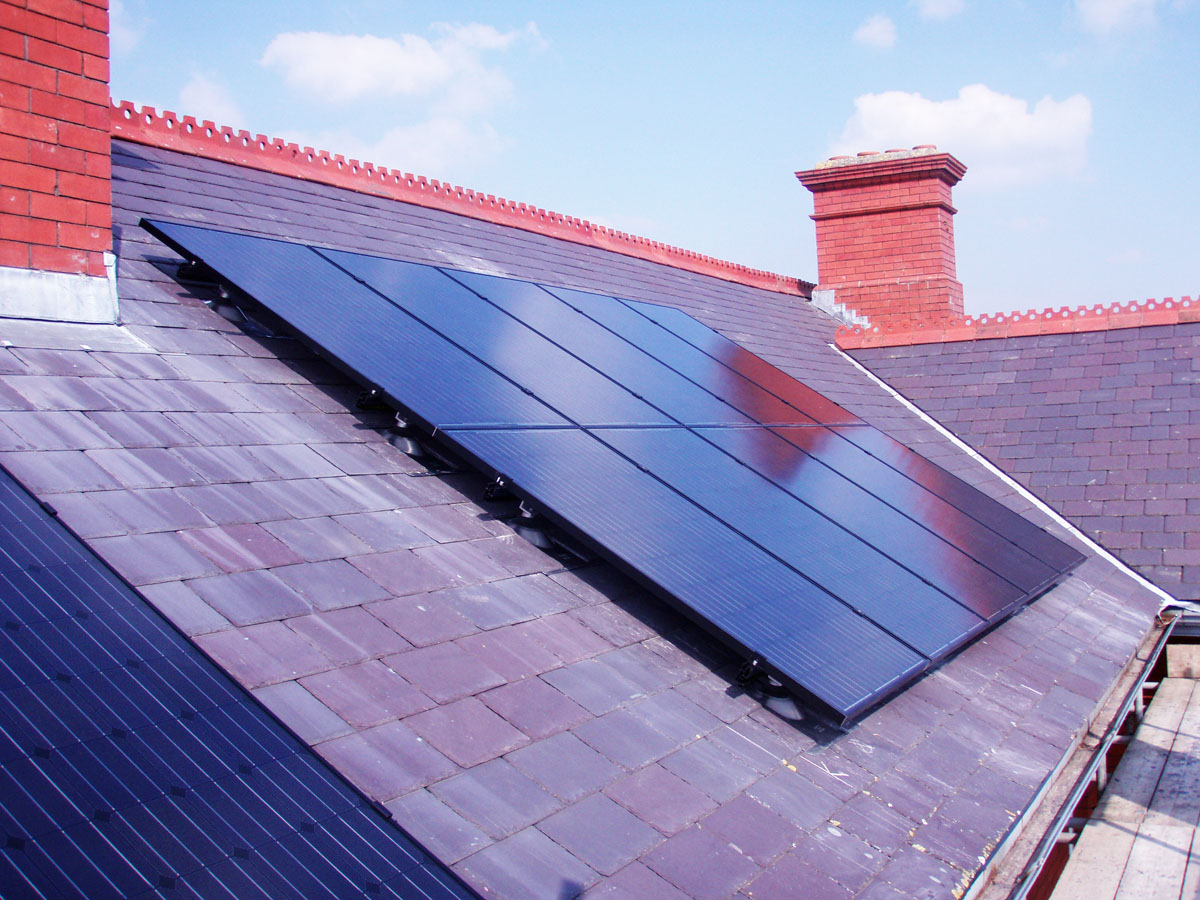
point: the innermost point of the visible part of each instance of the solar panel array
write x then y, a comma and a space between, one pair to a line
131, 766
840, 560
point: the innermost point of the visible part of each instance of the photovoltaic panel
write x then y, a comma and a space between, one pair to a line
130, 766
835, 558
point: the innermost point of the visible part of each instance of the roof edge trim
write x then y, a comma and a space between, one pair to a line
1063, 320
185, 134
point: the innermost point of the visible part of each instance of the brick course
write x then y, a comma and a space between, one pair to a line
55, 172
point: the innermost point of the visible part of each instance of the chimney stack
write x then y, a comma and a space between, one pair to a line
885, 234
55, 162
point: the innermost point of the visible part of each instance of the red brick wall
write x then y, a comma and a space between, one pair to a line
885, 234
55, 192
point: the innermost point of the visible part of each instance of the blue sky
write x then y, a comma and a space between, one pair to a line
1078, 121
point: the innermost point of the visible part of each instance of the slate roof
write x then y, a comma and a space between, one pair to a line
1104, 426
545, 731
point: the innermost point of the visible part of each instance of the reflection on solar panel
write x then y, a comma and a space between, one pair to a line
839, 561
130, 766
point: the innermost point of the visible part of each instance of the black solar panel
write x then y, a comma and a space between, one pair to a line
131, 766
840, 560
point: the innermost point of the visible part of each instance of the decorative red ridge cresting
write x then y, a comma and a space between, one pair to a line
1064, 320
186, 135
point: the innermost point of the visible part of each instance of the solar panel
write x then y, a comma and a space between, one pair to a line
131, 766
836, 559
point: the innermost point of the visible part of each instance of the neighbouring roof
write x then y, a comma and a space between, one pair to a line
1103, 425
544, 731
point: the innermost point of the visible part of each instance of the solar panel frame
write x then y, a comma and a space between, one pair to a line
662, 346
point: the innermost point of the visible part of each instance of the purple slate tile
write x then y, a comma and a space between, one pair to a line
445, 672
332, 584
233, 504
308, 717
386, 761
246, 598
237, 548
716, 695
86, 517
497, 798
511, 651
224, 465
463, 561
516, 555
675, 716
791, 877
53, 430
921, 876
446, 522
316, 539
841, 856
366, 694
565, 638
954, 843
140, 429
348, 635
402, 573
488, 606
184, 608
625, 738
536, 708
56, 392
59, 362
145, 468
156, 509
795, 798
467, 732
635, 882
601, 833
52, 471
612, 623
594, 685
879, 822
293, 461
262, 654
752, 828
441, 830
423, 619
702, 865
705, 766
528, 864
664, 800
565, 766
383, 530
147, 558
135, 366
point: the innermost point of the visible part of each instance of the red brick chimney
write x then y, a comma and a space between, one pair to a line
55, 165
885, 233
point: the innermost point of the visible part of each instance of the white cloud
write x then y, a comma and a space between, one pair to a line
337, 68
1107, 16
938, 9
877, 31
1000, 138
205, 98
124, 32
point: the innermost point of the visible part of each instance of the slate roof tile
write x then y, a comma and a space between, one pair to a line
54, 430
625, 738
635, 882
701, 864
330, 584
246, 598
386, 761
314, 539
233, 504
238, 548
263, 654
183, 606
526, 864
148, 558
365, 694
704, 765
664, 800
439, 828
463, 562
300, 711
348, 635
497, 798
535, 707
840, 856
600, 833
422, 620
444, 672
467, 731
594, 685
54, 471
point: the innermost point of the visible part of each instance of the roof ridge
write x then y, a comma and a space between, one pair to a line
1064, 320
204, 138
